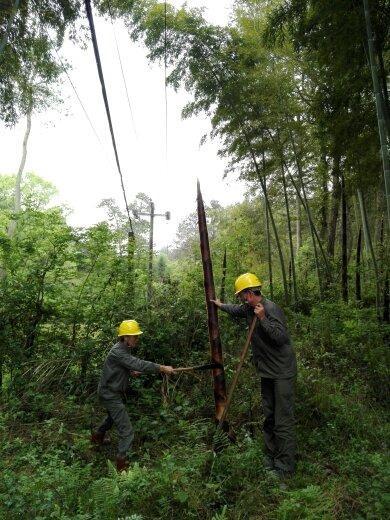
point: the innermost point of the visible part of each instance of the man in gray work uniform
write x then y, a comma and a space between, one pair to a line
274, 358
120, 364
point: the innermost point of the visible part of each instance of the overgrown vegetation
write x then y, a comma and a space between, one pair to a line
285, 86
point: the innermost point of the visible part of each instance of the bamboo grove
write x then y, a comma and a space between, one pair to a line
296, 116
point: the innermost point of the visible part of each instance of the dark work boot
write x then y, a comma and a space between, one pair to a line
122, 464
100, 438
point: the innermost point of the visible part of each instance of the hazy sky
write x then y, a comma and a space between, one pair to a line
64, 149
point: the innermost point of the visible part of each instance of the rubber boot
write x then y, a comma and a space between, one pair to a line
100, 438
122, 464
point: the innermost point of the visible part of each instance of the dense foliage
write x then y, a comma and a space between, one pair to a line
288, 91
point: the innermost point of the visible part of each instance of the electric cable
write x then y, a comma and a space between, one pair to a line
122, 70
78, 97
105, 98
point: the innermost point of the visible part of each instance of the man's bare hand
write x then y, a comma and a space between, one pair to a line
134, 373
260, 311
166, 369
217, 302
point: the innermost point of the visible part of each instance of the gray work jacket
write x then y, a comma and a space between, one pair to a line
119, 363
273, 353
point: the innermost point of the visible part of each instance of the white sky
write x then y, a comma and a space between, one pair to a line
64, 150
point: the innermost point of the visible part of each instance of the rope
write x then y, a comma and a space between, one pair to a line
122, 71
104, 93
8, 28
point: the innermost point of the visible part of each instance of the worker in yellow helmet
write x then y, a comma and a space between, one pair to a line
119, 365
274, 358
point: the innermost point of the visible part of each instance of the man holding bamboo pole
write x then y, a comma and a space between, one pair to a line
274, 358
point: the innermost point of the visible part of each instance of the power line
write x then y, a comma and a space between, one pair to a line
78, 97
123, 73
104, 93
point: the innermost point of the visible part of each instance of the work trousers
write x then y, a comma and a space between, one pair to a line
117, 414
278, 429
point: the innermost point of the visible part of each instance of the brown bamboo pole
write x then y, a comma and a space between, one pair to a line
214, 335
238, 369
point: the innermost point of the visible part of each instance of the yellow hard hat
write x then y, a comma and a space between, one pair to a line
129, 328
246, 281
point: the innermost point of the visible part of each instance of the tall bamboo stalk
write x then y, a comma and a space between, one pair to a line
213, 326
344, 253
294, 278
358, 285
307, 206
370, 248
269, 252
274, 228
223, 281
379, 106
298, 229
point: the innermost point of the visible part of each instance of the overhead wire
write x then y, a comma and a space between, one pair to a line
122, 70
107, 107
78, 97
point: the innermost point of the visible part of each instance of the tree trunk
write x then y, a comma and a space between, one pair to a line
324, 201
223, 281
385, 93
306, 205
358, 286
269, 252
299, 230
386, 299
384, 273
312, 228
369, 246
18, 182
336, 196
294, 279
344, 249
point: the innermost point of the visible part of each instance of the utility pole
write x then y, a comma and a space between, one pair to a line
152, 214
150, 268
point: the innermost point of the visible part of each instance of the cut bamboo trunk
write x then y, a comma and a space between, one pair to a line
213, 327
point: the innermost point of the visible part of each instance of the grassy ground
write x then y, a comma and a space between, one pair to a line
49, 469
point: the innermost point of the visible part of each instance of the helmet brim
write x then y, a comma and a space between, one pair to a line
133, 334
247, 289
